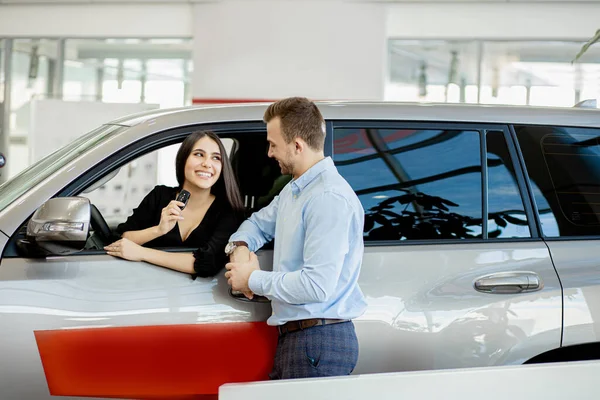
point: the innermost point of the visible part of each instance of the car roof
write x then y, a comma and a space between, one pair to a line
362, 110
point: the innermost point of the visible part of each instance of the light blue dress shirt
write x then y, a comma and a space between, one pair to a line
317, 222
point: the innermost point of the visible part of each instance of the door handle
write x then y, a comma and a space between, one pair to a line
240, 297
509, 282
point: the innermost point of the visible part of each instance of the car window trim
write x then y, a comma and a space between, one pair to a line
431, 242
484, 183
525, 188
328, 148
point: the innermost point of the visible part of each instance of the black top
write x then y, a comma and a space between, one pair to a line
209, 238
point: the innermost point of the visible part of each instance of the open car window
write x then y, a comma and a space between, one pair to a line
114, 193
116, 198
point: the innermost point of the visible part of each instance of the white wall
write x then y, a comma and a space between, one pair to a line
272, 49
96, 20
535, 20
49, 127
525, 19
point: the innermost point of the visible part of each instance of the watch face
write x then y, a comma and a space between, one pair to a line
229, 248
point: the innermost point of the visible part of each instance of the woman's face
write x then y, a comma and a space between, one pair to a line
203, 165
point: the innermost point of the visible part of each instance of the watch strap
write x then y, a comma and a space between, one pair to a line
231, 246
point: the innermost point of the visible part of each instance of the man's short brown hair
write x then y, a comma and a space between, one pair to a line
300, 118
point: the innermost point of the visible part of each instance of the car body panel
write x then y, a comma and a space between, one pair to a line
100, 292
424, 313
578, 265
156, 361
429, 309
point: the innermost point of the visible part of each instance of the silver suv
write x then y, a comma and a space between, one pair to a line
481, 248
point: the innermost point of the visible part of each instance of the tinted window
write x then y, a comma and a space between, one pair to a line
414, 184
506, 213
564, 168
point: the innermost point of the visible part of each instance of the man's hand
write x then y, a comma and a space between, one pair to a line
238, 273
242, 254
126, 249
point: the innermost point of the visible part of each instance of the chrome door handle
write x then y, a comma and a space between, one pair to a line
509, 282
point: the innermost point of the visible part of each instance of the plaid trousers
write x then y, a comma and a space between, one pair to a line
326, 350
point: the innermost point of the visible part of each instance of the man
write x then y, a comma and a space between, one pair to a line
317, 222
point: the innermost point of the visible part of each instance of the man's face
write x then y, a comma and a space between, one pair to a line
278, 149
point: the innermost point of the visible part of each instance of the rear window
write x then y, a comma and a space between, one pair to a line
563, 165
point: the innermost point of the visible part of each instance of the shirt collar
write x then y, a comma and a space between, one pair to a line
299, 184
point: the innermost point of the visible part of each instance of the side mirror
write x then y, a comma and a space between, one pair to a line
61, 225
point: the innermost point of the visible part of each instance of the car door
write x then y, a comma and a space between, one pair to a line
563, 165
454, 271
91, 325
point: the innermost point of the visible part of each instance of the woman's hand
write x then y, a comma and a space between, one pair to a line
169, 216
126, 249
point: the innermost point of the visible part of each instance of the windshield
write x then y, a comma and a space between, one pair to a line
40, 170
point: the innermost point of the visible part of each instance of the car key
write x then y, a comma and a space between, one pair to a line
183, 197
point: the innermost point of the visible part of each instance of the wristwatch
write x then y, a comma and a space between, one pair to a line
231, 246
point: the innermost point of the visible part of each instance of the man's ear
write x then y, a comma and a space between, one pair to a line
299, 145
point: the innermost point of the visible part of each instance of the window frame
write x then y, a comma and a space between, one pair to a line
482, 128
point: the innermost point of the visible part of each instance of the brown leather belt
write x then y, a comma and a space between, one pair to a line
293, 326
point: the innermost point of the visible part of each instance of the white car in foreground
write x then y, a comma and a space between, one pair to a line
482, 248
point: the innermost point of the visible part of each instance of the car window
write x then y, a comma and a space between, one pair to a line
116, 198
414, 184
563, 164
117, 192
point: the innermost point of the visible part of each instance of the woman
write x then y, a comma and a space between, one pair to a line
213, 212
